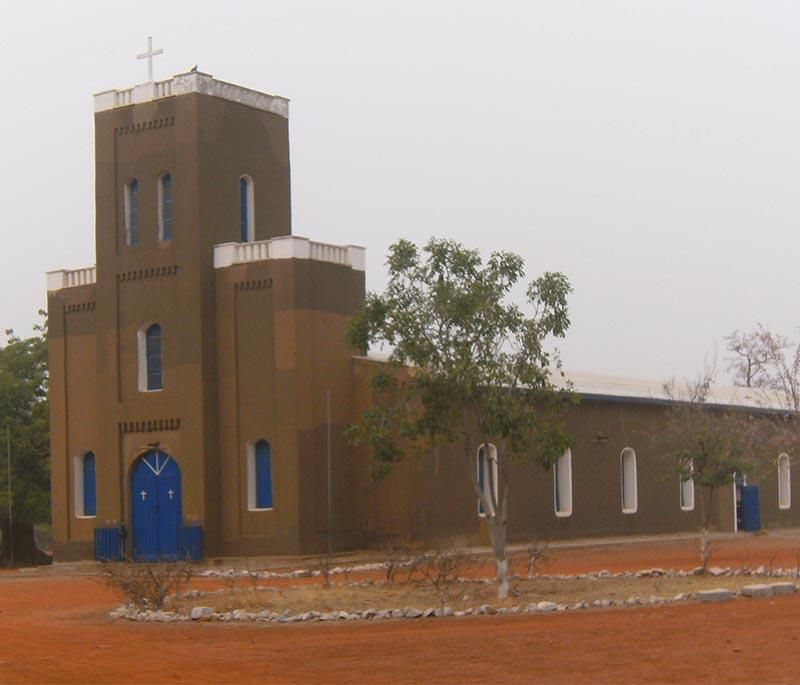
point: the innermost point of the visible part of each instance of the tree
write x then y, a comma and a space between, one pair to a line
708, 445
466, 367
748, 360
23, 411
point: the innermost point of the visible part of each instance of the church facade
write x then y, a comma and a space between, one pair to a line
200, 384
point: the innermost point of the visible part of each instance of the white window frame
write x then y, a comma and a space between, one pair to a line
141, 343
563, 463
489, 455
686, 486
784, 482
251, 207
251, 478
78, 485
629, 455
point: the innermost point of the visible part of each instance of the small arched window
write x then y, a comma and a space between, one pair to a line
487, 477
686, 483
259, 476
246, 209
132, 213
85, 485
165, 207
784, 482
562, 484
628, 483
150, 358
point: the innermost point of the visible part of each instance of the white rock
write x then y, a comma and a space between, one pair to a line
757, 590
716, 595
546, 606
783, 588
411, 612
201, 613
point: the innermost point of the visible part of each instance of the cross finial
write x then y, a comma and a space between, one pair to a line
149, 57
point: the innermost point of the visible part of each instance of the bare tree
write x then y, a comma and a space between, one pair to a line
708, 444
748, 361
146, 585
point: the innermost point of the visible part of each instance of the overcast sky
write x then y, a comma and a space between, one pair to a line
650, 150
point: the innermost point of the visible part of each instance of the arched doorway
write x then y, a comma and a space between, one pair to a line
156, 507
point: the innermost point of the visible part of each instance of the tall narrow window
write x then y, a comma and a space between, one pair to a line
85, 485
165, 207
132, 212
246, 215
562, 484
784, 482
687, 488
628, 484
487, 476
153, 357
259, 476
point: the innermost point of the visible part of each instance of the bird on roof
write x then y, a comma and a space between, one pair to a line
194, 68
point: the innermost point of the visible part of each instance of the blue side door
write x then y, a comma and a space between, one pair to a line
156, 507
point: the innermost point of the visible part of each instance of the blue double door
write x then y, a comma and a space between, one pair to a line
156, 507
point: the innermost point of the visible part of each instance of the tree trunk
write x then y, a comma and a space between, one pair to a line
705, 551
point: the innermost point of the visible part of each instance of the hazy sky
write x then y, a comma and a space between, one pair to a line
650, 150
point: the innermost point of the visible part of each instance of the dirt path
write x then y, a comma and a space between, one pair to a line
53, 629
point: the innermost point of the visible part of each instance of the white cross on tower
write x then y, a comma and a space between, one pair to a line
143, 494
149, 57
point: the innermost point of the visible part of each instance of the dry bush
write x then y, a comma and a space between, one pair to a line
397, 554
323, 565
442, 567
535, 555
146, 585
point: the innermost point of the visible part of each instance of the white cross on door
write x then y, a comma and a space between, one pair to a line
143, 495
170, 492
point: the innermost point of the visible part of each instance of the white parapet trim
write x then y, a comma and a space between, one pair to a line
288, 247
192, 82
69, 278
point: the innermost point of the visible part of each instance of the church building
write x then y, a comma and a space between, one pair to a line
200, 384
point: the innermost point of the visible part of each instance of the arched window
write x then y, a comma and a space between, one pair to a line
150, 358
246, 209
165, 207
784, 482
132, 213
628, 484
487, 476
259, 476
686, 483
562, 484
85, 486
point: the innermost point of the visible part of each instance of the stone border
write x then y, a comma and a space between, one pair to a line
204, 613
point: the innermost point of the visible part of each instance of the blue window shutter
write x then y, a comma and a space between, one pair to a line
166, 207
89, 486
133, 209
263, 475
153, 354
244, 208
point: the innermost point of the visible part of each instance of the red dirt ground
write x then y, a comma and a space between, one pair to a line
53, 629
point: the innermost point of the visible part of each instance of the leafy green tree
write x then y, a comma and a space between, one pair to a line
467, 366
23, 411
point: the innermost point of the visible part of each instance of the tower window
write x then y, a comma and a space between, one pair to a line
85, 485
628, 484
246, 210
487, 476
150, 358
259, 476
132, 213
165, 207
562, 484
784, 482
